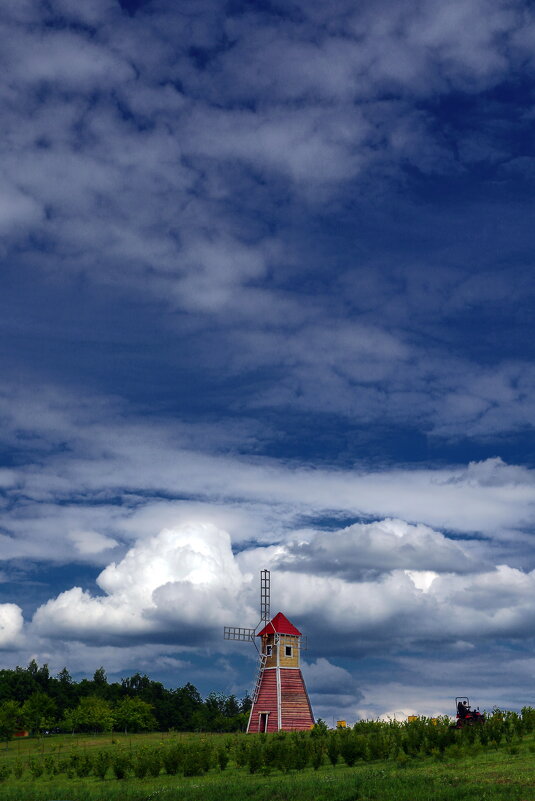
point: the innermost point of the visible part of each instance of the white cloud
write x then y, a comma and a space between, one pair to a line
91, 542
422, 579
79, 451
11, 625
177, 585
184, 584
382, 546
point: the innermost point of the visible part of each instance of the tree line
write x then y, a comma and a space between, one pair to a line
32, 699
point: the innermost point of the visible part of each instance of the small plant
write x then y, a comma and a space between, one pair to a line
120, 765
455, 751
351, 748
37, 768
172, 760
18, 769
140, 765
333, 749
83, 766
154, 764
402, 759
101, 761
255, 759
193, 763
320, 728
222, 758
318, 749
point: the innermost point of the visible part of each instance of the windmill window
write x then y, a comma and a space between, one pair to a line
288, 650
269, 650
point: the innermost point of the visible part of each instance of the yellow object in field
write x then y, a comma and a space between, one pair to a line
412, 718
341, 724
434, 721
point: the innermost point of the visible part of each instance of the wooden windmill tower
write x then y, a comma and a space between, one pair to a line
280, 699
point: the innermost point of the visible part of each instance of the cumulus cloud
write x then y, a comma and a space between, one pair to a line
365, 549
177, 586
184, 584
11, 624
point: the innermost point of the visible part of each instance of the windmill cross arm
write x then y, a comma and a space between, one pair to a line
238, 633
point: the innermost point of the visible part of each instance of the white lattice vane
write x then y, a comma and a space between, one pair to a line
238, 633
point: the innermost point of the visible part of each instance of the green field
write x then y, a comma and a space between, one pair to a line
465, 769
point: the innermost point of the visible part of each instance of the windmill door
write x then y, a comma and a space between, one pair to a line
263, 721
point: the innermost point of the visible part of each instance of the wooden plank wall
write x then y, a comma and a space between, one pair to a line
266, 702
296, 711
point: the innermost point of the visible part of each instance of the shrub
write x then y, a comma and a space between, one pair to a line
319, 729
140, 765
120, 765
101, 761
455, 751
37, 768
193, 762
240, 753
5, 772
154, 763
402, 759
222, 758
205, 756
18, 769
301, 751
172, 760
333, 749
352, 747
255, 757
528, 718
83, 766
318, 749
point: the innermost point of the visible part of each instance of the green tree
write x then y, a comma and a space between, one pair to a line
134, 714
38, 712
100, 682
10, 720
91, 714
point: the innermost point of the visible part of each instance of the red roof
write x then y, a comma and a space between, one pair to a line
279, 625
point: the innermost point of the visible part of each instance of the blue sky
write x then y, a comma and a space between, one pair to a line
267, 301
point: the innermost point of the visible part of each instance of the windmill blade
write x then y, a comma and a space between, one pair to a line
303, 642
265, 595
238, 633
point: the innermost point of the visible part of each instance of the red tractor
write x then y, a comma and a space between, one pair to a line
465, 715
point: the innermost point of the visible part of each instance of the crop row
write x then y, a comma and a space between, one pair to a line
367, 741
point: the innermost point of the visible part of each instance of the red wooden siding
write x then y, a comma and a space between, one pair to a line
296, 711
295, 705
266, 702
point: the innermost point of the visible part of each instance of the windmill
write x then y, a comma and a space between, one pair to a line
280, 698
